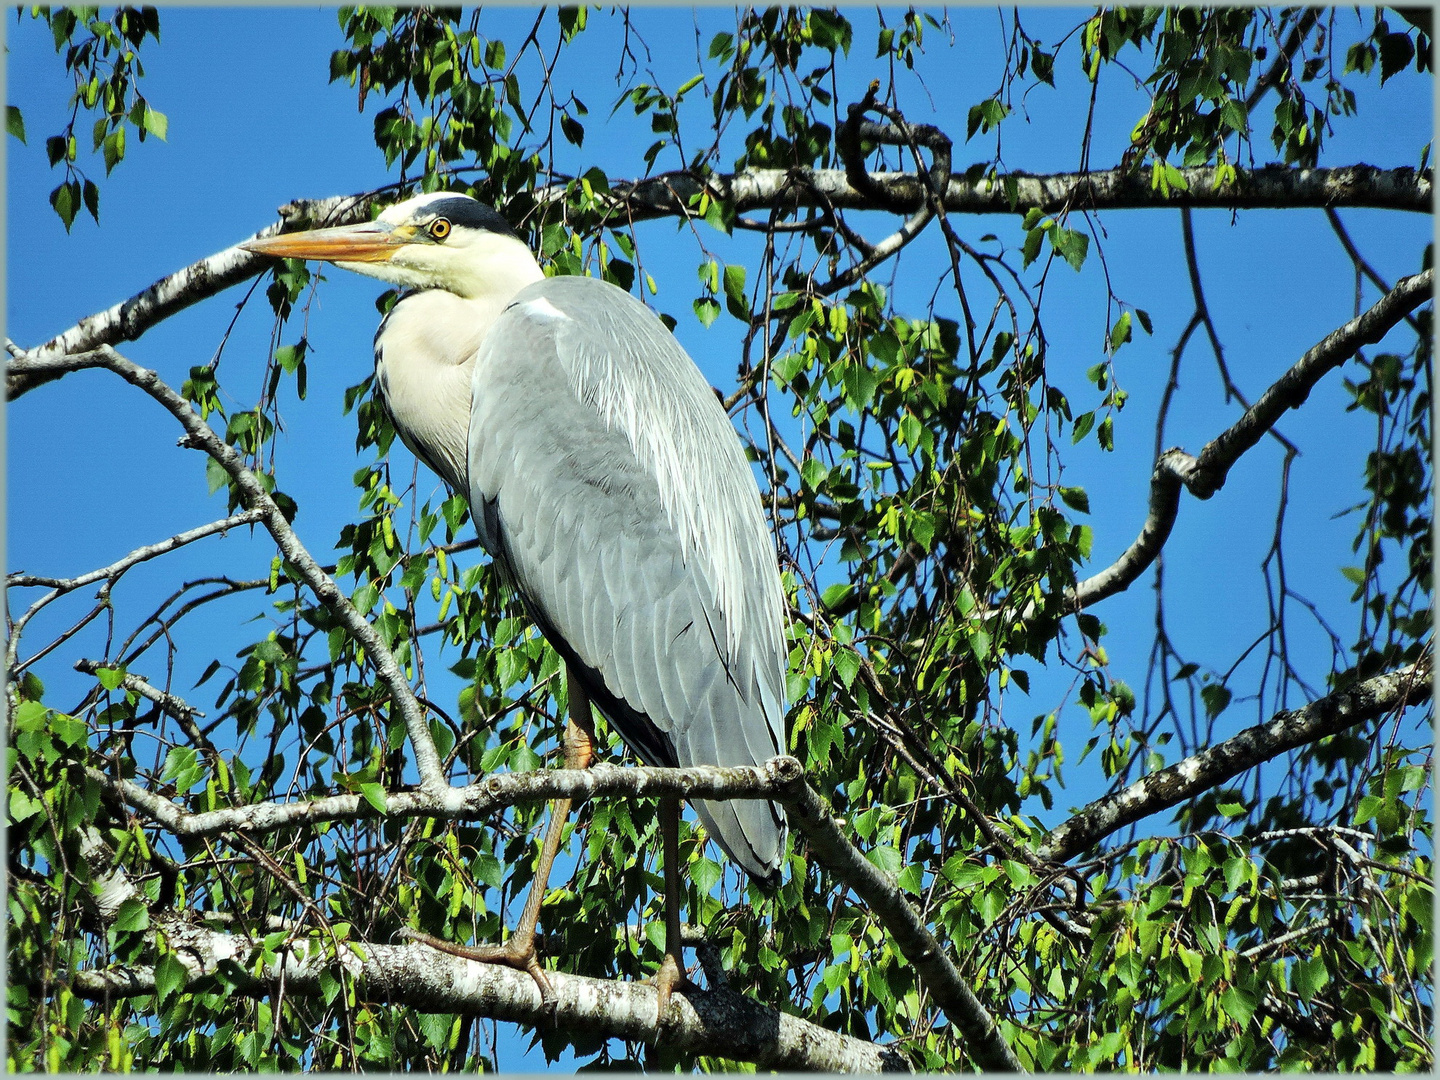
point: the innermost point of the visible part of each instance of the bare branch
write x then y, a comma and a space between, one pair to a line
60, 586
1287, 730
1204, 475
130, 318
201, 436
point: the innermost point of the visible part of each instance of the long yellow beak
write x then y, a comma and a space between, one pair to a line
371, 242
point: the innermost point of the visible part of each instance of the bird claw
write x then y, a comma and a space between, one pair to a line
518, 953
669, 978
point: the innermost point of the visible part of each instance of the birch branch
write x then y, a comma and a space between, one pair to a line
718, 1023
671, 195
200, 436
127, 320
1204, 475
473, 801
781, 778
176, 706
1274, 186
1287, 730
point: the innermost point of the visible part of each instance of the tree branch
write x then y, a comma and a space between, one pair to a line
1287, 730
718, 1023
1274, 186
670, 195
1205, 475
201, 436
781, 778
473, 801
130, 318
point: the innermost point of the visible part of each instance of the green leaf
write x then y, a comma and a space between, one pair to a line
155, 122
66, 201
375, 796
1120, 332
1309, 977
14, 122
170, 976
847, 665
735, 301
132, 916
886, 858
1076, 499
1216, 697
67, 729
1396, 52
707, 310
1239, 1004
436, 1029
1073, 246
110, 678
1031, 248
23, 806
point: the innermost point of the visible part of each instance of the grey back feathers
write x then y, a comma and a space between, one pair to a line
609, 485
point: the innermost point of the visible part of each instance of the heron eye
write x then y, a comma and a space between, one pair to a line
440, 228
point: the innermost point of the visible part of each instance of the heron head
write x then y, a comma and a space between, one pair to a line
438, 241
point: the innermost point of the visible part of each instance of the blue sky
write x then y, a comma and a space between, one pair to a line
253, 123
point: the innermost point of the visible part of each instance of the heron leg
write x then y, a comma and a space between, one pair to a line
519, 949
672, 970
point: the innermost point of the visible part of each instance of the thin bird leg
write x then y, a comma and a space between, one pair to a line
672, 971
519, 950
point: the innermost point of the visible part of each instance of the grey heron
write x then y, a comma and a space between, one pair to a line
608, 485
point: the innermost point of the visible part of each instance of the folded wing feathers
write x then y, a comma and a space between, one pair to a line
631, 518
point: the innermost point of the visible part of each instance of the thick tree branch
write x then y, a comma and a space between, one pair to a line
1290, 729
671, 195
1204, 475
127, 320
718, 1023
201, 436
780, 778
1275, 186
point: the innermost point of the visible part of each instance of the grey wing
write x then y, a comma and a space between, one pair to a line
627, 516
